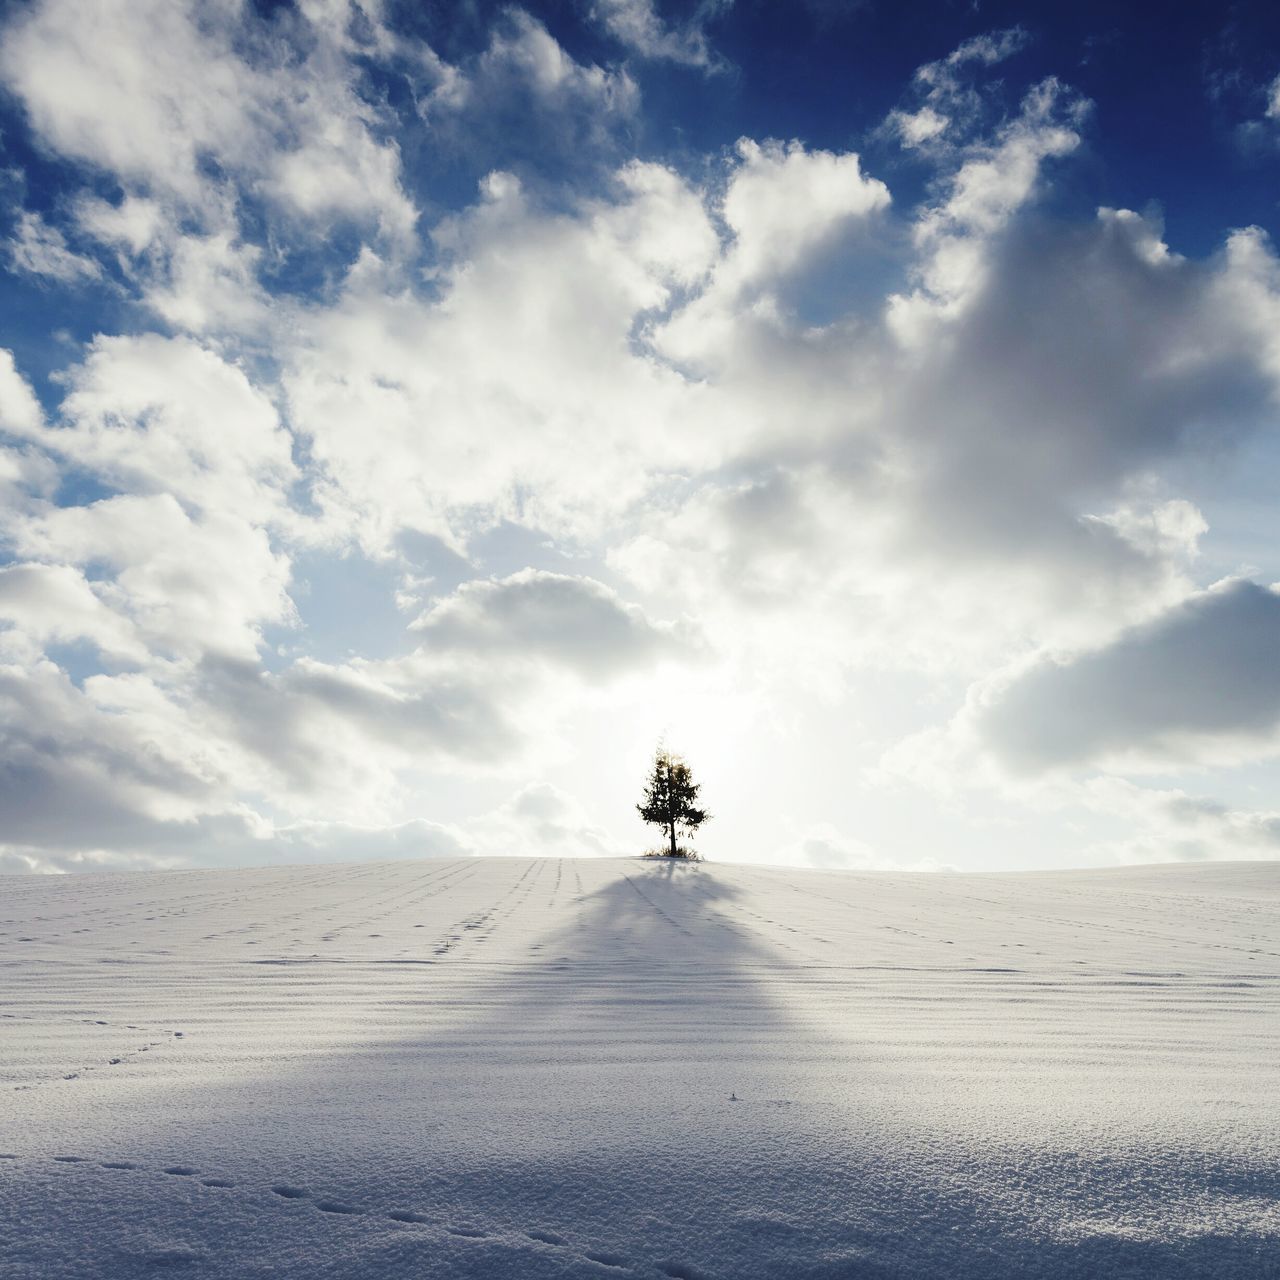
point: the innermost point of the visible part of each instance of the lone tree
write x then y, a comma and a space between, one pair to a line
670, 800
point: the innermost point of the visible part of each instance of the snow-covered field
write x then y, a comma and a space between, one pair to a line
536, 1068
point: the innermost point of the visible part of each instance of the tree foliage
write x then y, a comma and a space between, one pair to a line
670, 801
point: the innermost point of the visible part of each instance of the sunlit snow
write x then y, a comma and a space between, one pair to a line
541, 1067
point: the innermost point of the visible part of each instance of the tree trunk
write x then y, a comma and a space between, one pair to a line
672, 830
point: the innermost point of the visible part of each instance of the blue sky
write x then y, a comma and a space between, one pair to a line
408, 415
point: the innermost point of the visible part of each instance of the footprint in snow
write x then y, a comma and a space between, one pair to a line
336, 1206
607, 1259
677, 1271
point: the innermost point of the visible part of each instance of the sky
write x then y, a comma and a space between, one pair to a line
410, 415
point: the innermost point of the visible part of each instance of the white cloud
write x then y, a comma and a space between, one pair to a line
1171, 825
202, 280
174, 757
154, 91
853, 449
1258, 132
28, 478
517, 391
179, 554
167, 416
784, 201
98, 768
1197, 683
1007, 449
637, 25
55, 604
209, 284
569, 621
918, 127
133, 224
524, 49
785, 208
949, 106
987, 49
524, 74
190, 584
41, 250
992, 184
20, 411
144, 91
540, 819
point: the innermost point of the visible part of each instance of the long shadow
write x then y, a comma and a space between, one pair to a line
640, 1087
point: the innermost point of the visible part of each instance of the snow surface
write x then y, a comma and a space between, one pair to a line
528, 1068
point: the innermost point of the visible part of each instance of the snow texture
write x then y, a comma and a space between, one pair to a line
540, 1068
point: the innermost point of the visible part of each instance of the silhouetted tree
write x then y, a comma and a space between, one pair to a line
670, 800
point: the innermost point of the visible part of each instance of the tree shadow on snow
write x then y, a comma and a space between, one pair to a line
638, 1087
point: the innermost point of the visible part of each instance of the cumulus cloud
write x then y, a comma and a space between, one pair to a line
574, 622
102, 767
158, 415
563, 430
20, 412
783, 201
1198, 681
189, 584
997, 437
362, 722
1004, 389
784, 207
51, 604
995, 180
154, 92
183, 755
131, 225
830, 435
